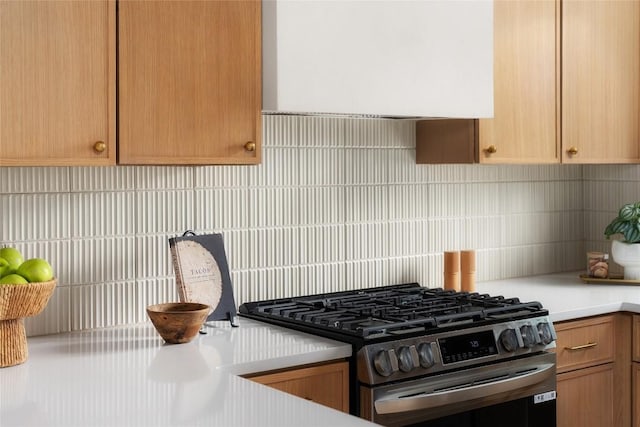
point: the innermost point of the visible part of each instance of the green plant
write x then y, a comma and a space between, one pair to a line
626, 223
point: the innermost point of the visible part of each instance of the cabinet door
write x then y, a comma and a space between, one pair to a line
525, 127
189, 82
635, 369
635, 393
325, 384
57, 82
636, 338
586, 397
600, 81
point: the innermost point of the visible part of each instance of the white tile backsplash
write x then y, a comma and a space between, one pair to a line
105, 259
26, 180
605, 189
36, 217
99, 214
337, 203
105, 178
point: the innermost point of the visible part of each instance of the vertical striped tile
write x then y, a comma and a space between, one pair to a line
367, 240
281, 131
366, 167
322, 205
403, 168
57, 252
367, 203
55, 318
227, 176
373, 133
37, 216
152, 256
162, 211
164, 177
100, 214
103, 260
322, 166
323, 132
222, 209
321, 244
27, 180
237, 249
273, 207
337, 203
106, 178
274, 247
279, 167
409, 201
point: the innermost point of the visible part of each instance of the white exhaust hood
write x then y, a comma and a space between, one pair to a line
415, 58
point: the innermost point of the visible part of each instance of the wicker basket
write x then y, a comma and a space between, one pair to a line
16, 303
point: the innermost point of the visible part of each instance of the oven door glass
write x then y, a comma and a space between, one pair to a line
516, 413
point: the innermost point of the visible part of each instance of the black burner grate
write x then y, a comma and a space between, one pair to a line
391, 310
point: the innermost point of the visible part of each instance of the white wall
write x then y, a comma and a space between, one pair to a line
336, 204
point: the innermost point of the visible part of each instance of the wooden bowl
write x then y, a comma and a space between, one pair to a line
16, 303
178, 322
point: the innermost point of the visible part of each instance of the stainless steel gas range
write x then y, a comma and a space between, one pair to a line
432, 357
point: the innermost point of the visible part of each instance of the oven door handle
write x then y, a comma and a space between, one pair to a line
450, 395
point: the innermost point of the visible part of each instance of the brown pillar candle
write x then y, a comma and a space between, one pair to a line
452, 271
468, 271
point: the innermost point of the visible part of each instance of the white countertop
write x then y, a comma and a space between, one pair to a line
566, 296
129, 377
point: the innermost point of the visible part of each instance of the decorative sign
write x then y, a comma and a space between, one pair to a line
202, 273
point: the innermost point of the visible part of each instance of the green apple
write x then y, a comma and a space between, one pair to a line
36, 270
12, 256
13, 279
5, 268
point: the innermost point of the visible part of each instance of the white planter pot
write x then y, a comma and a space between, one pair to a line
628, 256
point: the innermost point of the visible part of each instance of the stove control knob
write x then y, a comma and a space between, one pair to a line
528, 335
385, 362
406, 358
509, 340
425, 354
544, 331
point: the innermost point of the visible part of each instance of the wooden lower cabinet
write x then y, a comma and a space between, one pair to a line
635, 392
635, 369
594, 371
327, 384
586, 397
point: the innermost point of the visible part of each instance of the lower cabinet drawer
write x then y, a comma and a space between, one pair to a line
584, 343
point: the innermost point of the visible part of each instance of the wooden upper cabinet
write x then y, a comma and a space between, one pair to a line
189, 82
566, 83
57, 83
525, 127
600, 81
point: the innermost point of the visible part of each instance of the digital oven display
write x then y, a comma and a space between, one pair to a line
467, 347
